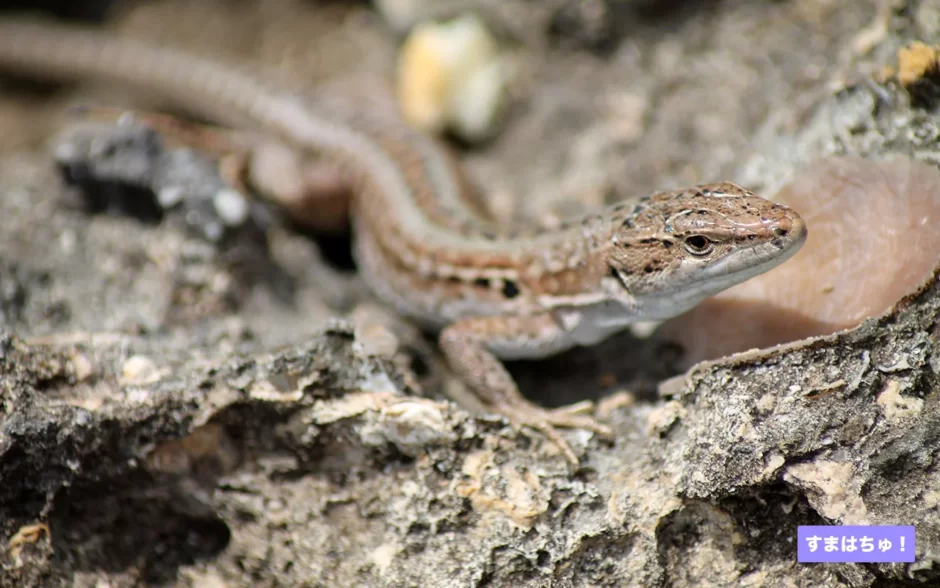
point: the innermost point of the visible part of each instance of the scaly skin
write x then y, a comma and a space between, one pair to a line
425, 245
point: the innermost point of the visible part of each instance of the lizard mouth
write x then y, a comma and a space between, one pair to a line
761, 257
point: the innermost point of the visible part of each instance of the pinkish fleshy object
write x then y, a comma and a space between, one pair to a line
874, 237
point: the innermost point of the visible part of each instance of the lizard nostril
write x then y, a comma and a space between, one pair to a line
781, 232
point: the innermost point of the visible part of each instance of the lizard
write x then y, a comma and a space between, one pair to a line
423, 242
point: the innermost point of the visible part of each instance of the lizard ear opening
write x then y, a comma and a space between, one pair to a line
614, 273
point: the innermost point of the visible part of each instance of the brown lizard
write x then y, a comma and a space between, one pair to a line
425, 246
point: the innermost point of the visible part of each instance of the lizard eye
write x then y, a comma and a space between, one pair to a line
698, 245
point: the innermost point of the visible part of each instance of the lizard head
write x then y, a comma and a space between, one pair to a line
672, 250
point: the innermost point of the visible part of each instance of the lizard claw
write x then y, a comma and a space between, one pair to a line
547, 422
574, 416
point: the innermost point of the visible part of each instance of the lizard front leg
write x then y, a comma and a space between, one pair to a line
468, 345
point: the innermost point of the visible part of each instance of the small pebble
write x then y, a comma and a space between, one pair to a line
170, 196
453, 77
916, 61
231, 207
139, 369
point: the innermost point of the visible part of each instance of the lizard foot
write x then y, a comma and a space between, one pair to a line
548, 421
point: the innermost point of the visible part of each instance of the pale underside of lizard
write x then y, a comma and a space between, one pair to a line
423, 241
